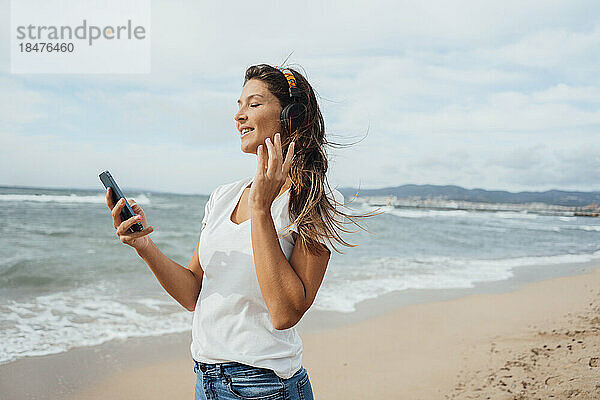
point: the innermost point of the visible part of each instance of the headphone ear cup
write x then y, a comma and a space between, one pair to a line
293, 114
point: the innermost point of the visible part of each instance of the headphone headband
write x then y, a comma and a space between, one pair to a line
293, 114
291, 80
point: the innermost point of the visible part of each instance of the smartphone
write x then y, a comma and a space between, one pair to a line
127, 211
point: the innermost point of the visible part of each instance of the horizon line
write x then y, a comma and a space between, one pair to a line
344, 187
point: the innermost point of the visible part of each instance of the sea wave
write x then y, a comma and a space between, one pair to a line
72, 198
86, 316
588, 228
509, 219
92, 315
388, 274
429, 213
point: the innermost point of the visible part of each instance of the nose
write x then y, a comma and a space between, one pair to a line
240, 116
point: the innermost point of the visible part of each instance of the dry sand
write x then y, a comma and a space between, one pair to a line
541, 341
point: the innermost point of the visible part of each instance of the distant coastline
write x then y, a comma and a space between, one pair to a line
550, 202
434, 197
444, 205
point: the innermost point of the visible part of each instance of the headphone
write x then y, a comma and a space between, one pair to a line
292, 114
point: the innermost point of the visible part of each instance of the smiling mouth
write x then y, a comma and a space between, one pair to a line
247, 130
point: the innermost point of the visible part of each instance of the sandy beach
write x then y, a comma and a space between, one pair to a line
539, 341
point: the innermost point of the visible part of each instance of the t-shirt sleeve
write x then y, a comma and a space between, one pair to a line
337, 200
208, 208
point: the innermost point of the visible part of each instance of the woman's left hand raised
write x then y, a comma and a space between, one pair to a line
271, 174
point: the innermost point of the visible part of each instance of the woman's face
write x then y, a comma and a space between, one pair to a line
260, 111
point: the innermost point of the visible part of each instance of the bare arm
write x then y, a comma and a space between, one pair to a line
281, 288
183, 284
288, 288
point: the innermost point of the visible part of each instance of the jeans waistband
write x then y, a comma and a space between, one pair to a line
223, 369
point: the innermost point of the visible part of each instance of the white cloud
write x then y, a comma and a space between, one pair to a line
567, 93
19, 105
194, 116
502, 112
50, 160
550, 48
465, 92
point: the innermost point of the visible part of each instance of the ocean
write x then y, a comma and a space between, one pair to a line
67, 281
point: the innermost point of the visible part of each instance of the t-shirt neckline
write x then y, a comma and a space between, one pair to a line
238, 198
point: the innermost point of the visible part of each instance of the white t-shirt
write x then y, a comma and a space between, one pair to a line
231, 320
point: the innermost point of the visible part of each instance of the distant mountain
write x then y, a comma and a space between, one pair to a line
451, 192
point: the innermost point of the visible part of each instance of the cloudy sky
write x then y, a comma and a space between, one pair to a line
495, 95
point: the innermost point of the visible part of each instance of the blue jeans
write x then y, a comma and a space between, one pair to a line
237, 381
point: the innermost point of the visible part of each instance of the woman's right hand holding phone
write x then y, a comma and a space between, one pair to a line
137, 240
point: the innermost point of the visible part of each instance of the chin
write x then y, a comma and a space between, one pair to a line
248, 149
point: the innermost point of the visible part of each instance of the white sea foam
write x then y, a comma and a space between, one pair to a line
83, 317
51, 323
92, 315
521, 220
432, 213
72, 198
428, 213
589, 227
385, 275
414, 213
514, 214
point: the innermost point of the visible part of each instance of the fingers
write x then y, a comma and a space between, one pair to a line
136, 207
287, 164
128, 236
272, 163
261, 165
116, 212
278, 149
109, 200
125, 225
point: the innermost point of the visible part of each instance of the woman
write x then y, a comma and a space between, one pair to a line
264, 247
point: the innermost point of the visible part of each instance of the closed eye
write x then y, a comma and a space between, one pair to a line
254, 105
